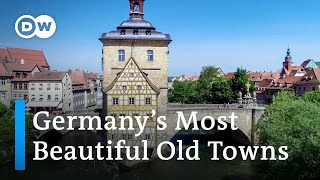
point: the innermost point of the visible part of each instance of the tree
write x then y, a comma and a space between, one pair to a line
294, 122
183, 92
207, 76
221, 92
7, 132
239, 82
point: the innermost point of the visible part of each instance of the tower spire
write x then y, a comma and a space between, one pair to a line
288, 57
136, 8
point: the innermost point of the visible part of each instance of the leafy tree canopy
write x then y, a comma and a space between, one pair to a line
294, 122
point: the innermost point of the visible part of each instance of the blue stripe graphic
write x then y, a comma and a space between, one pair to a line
20, 135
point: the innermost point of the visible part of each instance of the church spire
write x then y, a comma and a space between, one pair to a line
288, 57
136, 8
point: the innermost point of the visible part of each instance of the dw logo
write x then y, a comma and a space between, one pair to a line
43, 26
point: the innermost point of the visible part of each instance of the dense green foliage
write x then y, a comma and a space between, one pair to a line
7, 132
221, 92
207, 77
294, 122
184, 92
239, 83
211, 88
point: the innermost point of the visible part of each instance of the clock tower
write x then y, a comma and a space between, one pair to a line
135, 73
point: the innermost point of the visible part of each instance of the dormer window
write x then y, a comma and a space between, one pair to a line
24, 75
17, 75
135, 32
122, 32
148, 32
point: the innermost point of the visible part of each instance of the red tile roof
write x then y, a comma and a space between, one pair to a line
78, 77
3, 70
48, 76
259, 76
29, 56
13, 67
229, 75
312, 76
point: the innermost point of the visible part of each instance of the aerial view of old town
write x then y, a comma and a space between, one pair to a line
104, 94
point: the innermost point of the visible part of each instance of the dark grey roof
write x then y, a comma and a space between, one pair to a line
155, 35
318, 64
135, 24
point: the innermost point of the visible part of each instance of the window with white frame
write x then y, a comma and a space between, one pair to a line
148, 101
122, 55
56, 97
115, 101
3, 82
150, 55
3, 96
33, 97
131, 101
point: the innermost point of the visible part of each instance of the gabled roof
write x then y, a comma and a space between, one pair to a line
145, 75
306, 62
48, 76
29, 56
77, 77
13, 67
312, 76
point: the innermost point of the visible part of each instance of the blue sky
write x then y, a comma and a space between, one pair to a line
253, 34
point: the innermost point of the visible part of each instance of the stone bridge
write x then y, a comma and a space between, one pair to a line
246, 121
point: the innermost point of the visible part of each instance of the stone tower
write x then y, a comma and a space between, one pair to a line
135, 68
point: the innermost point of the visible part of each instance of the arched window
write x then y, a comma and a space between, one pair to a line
136, 7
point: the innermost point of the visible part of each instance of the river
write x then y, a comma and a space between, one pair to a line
156, 169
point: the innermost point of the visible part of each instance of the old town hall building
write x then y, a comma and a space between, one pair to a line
135, 68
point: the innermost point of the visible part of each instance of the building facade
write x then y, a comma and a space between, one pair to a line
5, 85
132, 94
84, 88
50, 91
21, 75
135, 49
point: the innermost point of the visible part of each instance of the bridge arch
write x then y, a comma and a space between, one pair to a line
65, 137
228, 136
